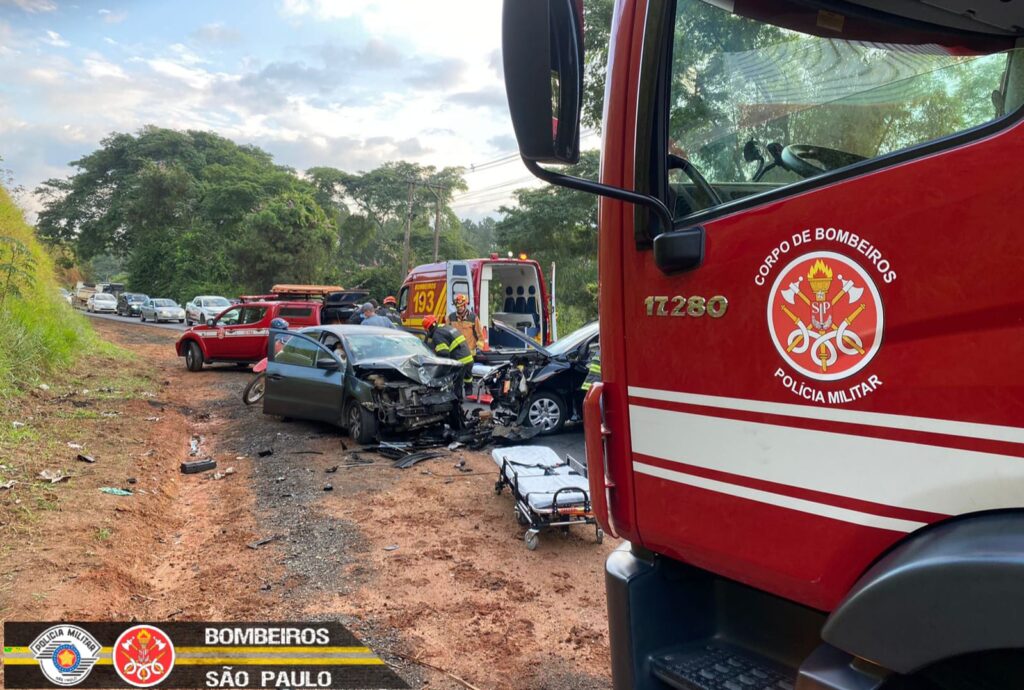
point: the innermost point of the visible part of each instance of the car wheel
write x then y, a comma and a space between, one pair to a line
143, 317
188, 322
193, 357
547, 411
181, 320
362, 425
253, 393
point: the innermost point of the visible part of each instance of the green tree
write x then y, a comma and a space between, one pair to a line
555, 224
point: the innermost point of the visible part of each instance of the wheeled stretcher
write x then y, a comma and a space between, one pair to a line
548, 491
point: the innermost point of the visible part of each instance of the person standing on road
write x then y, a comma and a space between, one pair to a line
450, 343
389, 309
357, 316
466, 322
372, 318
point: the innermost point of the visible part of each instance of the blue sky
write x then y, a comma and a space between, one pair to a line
347, 83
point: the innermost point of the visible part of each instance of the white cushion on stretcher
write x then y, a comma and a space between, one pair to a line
539, 491
527, 455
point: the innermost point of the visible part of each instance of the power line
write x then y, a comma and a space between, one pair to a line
510, 157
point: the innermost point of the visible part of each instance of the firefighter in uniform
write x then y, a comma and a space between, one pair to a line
466, 322
593, 369
450, 343
389, 309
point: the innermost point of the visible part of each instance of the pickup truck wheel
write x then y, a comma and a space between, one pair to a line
193, 357
546, 410
362, 425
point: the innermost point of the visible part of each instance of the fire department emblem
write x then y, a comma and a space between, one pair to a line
66, 654
825, 316
143, 656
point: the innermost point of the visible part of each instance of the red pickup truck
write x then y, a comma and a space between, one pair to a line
239, 334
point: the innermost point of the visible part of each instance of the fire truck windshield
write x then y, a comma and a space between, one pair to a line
755, 106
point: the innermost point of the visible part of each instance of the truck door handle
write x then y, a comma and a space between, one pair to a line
274, 377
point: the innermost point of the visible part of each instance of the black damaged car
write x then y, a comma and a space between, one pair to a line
365, 379
536, 386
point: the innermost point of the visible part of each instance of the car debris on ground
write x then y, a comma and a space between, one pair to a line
8, 484
114, 491
85, 458
198, 466
53, 476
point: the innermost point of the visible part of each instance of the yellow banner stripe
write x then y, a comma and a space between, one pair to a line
279, 661
242, 661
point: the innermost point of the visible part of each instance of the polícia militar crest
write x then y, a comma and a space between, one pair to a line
825, 316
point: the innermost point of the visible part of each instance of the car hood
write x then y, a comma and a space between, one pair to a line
423, 369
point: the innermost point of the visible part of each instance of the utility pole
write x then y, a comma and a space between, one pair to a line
408, 229
437, 223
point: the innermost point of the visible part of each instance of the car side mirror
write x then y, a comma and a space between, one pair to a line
542, 48
210, 322
327, 364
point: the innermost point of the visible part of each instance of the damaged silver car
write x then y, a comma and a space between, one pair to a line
370, 381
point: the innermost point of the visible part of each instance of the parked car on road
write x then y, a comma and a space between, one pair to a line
240, 334
130, 303
101, 302
161, 309
205, 307
362, 378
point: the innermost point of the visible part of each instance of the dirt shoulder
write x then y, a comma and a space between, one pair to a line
425, 563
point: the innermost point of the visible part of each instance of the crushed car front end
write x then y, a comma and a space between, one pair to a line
410, 393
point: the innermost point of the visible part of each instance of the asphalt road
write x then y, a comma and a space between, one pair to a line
174, 326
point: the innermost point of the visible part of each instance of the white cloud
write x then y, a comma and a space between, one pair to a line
32, 6
55, 39
98, 68
44, 75
111, 17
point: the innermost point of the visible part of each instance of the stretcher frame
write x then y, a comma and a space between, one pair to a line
538, 519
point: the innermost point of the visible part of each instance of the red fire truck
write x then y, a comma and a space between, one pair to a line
811, 424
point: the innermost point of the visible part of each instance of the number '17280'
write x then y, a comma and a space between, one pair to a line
663, 305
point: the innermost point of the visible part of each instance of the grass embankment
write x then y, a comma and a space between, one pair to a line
39, 332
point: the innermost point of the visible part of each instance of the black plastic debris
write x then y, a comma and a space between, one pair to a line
198, 466
415, 458
86, 458
265, 453
332, 469
328, 487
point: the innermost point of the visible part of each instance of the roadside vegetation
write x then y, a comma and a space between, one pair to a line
40, 330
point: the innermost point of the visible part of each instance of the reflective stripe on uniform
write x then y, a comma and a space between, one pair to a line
595, 369
458, 341
442, 347
465, 360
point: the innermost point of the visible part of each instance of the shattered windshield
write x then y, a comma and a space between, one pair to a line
369, 347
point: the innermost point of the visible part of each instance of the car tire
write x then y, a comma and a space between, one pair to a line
181, 320
142, 317
188, 322
194, 357
547, 410
361, 424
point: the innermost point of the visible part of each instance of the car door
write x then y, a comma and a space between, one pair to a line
304, 379
248, 336
222, 343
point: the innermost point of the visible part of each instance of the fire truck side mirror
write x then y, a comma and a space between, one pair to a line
544, 85
679, 250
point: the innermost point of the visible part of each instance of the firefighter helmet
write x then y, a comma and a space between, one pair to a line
429, 323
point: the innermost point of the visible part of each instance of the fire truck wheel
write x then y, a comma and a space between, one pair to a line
193, 357
546, 410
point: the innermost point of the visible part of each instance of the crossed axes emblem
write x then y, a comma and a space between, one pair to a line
824, 339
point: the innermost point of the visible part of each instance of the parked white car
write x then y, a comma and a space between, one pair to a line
159, 309
101, 302
203, 308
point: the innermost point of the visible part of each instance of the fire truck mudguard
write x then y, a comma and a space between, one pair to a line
951, 590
